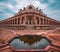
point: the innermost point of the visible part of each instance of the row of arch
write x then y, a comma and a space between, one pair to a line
30, 20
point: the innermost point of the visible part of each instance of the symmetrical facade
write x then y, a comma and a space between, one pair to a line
33, 27
30, 17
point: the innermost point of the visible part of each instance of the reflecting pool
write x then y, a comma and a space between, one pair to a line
18, 44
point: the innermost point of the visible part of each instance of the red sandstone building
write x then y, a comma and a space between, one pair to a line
30, 30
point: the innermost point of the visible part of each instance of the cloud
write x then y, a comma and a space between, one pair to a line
15, 5
10, 6
5, 6
51, 1
39, 4
5, 15
55, 14
22, 3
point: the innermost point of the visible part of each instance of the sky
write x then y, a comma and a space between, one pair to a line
10, 7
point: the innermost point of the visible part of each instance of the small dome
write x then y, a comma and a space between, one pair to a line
30, 7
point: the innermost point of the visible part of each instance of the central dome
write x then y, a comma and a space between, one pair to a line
30, 7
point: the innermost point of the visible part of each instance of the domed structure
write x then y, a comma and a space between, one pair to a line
30, 7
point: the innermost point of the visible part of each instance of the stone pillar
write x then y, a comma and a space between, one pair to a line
35, 20
24, 20
48, 21
11, 21
39, 21
28, 20
17, 21
43, 21
32, 21
20, 20
14, 21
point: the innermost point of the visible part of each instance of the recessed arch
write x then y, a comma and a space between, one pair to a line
22, 20
37, 18
18, 20
41, 21
15, 21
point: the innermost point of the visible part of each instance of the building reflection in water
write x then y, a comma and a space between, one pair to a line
18, 44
